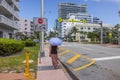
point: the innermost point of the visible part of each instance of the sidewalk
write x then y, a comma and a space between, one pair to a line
46, 70
111, 45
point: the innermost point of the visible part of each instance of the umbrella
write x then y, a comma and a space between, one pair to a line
55, 41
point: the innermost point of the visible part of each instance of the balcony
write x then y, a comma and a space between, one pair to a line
16, 15
7, 22
16, 5
8, 10
4, 4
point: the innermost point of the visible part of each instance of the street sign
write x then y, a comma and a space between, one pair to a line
40, 24
110, 35
40, 20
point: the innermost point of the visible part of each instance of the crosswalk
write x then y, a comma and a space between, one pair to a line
74, 45
69, 45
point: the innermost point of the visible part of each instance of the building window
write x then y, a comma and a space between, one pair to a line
25, 28
81, 28
94, 28
88, 28
25, 20
1, 34
10, 35
25, 24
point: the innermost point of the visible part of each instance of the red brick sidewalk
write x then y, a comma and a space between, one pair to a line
11, 76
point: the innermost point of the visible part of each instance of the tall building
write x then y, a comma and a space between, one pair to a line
76, 12
66, 8
9, 10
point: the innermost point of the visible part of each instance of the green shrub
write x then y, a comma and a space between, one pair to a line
84, 41
29, 43
10, 46
106, 39
114, 41
70, 40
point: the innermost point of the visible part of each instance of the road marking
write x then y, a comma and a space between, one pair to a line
86, 65
70, 45
86, 48
62, 53
71, 60
107, 58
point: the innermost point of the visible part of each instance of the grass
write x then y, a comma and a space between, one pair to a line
15, 62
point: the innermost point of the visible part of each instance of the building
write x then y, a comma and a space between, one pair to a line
72, 14
26, 27
66, 8
9, 17
84, 16
90, 25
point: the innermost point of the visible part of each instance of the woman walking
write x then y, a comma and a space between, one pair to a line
53, 55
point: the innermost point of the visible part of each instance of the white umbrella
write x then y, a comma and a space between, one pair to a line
55, 41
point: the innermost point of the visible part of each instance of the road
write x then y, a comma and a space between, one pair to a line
107, 61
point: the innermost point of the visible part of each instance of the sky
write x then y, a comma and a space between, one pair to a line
106, 10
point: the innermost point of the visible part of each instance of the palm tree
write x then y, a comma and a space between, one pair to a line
74, 30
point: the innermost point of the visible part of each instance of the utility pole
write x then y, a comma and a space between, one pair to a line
101, 34
42, 32
118, 31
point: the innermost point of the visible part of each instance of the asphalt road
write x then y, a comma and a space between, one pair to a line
107, 61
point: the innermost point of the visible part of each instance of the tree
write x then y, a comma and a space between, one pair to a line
52, 34
21, 36
74, 30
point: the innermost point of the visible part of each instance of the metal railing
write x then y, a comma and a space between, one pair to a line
7, 6
16, 15
16, 4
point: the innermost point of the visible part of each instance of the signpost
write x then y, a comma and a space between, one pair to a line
40, 24
110, 36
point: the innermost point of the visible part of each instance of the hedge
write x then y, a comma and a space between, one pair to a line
10, 46
29, 43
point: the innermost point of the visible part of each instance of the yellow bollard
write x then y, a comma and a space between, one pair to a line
27, 74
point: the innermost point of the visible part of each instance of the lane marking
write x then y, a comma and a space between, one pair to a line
71, 60
86, 48
106, 58
62, 53
86, 65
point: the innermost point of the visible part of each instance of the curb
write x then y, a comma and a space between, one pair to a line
70, 72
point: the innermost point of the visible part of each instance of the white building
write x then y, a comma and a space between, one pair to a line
9, 10
90, 26
26, 27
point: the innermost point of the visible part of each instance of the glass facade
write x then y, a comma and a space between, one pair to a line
66, 8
